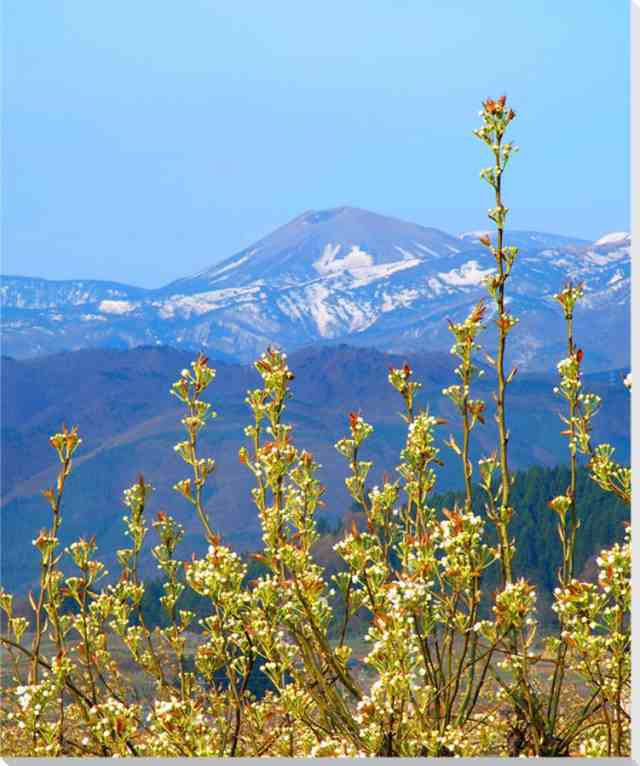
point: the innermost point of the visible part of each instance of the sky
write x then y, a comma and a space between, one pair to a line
144, 141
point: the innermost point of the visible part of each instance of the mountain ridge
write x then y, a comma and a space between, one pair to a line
338, 275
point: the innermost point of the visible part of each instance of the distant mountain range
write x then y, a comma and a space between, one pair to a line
334, 276
128, 421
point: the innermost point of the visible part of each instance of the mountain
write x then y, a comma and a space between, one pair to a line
129, 423
334, 276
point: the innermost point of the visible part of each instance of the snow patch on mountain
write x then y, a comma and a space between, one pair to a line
436, 285
116, 307
291, 307
364, 276
316, 294
601, 259
427, 249
356, 315
229, 267
203, 303
328, 263
468, 275
613, 238
400, 298
475, 235
407, 254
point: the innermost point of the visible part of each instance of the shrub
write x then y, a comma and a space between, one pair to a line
434, 677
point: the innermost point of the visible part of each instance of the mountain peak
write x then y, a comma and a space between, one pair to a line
349, 214
614, 238
329, 214
321, 243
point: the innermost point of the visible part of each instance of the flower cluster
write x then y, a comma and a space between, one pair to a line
569, 297
608, 474
407, 388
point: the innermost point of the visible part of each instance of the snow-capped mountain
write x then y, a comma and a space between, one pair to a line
335, 275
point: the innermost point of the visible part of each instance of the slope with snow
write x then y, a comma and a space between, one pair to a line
333, 275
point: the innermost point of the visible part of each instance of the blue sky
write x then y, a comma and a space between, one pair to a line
143, 141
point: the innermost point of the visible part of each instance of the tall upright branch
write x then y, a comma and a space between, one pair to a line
496, 118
